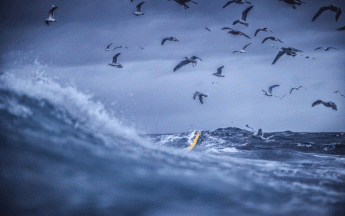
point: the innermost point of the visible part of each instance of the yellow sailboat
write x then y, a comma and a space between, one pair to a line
195, 140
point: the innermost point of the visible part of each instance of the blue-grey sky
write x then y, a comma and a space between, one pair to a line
147, 93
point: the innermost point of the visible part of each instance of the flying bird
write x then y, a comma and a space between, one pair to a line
262, 29
293, 2
325, 48
51, 15
169, 39
243, 20
288, 51
272, 38
243, 49
138, 12
259, 133
183, 2
208, 29
188, 60
333, 8
200, 95
281, 98
297, 88
269, 93
118, 47
219, 72
107, 48
339, 93
114, 63
237, 2
234, 32
326, 104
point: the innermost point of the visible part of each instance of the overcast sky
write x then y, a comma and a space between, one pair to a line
148, 94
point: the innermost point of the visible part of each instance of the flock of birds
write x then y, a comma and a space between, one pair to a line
289, 51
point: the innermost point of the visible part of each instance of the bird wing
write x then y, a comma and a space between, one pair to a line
256, 32
195, 57
280, 53
279, 40
245, 12
196, 93
115, 57
139, 6
226, 28
181, 64
246, 46
51, 12
338, 14
47, 22
163, 41
237, 21
109, 46
317, 103
291, 90
219, 70
322, 9
229, 2
266, 39
342, 28
318, 48
333, 105
201, 98
331, 48
271, 87
245, 35
251, 128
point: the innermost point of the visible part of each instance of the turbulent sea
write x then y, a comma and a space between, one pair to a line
64, 154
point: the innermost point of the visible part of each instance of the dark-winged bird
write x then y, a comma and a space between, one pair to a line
188, 60
200, 95
333, 8
51, 15
326, 104
219, 72
243, 19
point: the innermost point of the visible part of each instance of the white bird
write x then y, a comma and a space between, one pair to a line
200, 95
107, 48
237, 2
243, 20
51, 16
326, 104
288, 51
243, 49
169, 39
325, 48
138, 12
297, 88
259, 133
262, 29
188, 60
219, 72
272, 38
269, 93
114, 63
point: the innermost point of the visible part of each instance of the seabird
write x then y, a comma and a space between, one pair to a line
169, 39
269, 93
234, 32
183, 2
208, 29
51, 15
107, 48
259, 133
325, 48
243, 49
326, 104
114, 63
237, 2
293, 2
244, 17
339, 93
200, 95
333, 8
288, 51
188, 60
138, 12
297, 88
281, 98
272, 38
219, 72
120, 47
262, 29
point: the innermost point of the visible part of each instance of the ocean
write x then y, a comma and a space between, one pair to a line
64, 154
